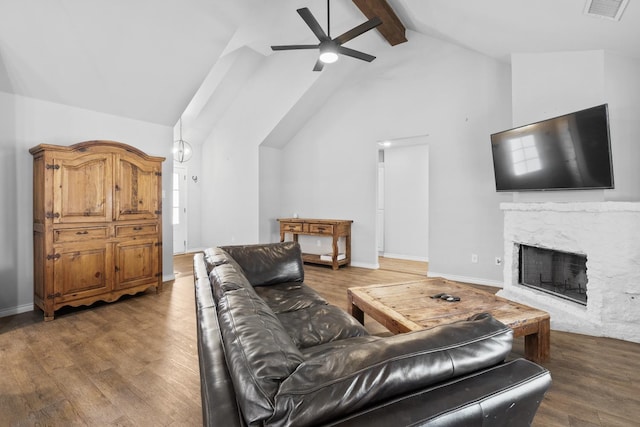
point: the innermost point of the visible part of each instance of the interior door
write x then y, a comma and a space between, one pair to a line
179, 209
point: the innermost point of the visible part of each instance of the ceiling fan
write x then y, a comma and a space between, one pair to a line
330, 48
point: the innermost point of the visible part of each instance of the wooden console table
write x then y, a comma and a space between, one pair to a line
334, 228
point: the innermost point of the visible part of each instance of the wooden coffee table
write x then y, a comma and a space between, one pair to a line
408, 306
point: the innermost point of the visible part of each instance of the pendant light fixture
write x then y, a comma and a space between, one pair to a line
181, 149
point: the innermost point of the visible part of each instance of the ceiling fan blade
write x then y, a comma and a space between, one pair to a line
318, 66
295, 47
356, 31
311, 21
355, 54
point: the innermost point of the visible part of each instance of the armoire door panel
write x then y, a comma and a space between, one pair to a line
82, 189
136, 262
136, 194
79, 273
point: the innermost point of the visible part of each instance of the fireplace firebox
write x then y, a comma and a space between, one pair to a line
559, 273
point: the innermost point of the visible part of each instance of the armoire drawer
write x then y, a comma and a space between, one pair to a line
80, 233
136, 230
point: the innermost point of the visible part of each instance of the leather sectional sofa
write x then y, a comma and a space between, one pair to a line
272, 351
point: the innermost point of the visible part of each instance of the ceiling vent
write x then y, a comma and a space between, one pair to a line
609, 9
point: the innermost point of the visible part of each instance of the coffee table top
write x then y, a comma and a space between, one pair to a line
408, 306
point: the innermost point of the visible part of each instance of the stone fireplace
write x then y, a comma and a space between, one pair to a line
607, 236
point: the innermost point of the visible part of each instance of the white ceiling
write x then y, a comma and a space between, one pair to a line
147, 59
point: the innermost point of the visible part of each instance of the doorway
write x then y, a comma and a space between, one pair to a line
179, 209
402, 210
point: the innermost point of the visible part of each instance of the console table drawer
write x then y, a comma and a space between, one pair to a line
321, 228
291, 226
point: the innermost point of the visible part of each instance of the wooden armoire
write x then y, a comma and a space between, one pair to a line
97, 223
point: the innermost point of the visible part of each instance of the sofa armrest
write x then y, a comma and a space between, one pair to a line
219, 405
504, 395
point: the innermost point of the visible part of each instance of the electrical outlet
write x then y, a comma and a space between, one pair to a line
474, 258
498, 260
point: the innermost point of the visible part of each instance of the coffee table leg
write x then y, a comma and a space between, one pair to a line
357, 313
537, 347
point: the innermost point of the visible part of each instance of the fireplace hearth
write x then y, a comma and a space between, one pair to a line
558, 273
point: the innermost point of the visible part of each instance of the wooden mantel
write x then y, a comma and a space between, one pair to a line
391, 27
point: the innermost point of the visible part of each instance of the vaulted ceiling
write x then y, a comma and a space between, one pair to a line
151, 60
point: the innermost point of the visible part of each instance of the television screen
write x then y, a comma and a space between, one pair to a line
563, 153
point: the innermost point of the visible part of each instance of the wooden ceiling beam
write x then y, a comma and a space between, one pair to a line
391, 27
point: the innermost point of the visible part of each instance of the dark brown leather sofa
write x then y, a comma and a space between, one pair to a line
274, 352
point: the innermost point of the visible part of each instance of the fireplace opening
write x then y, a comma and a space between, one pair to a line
561, 274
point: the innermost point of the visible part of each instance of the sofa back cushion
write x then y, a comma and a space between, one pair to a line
214, 257
343, 379
268, 264
259, 353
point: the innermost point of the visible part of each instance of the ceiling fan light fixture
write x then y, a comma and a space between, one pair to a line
328, 57
328, 53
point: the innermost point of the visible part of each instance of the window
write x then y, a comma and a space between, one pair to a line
176, 198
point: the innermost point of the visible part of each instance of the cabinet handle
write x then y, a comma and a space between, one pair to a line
137, 228
82, 232
321, 228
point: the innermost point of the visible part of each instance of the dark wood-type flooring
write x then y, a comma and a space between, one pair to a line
135, 363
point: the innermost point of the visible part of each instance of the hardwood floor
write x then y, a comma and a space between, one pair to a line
135, 363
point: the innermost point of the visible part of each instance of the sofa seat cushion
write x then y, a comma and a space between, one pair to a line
352, 377
290, 296
268, 264
259, 352
320, 324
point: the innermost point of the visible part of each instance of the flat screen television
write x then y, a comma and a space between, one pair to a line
569, 152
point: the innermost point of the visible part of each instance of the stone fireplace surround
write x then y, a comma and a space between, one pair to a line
608, 233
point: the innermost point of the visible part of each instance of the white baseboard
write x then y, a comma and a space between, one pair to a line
467, 279
16, 310
407, 257
365, 265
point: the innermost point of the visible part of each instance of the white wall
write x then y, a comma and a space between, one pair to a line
425, 86
230, 154
270, 182
546, 85
406, 202
26, 122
